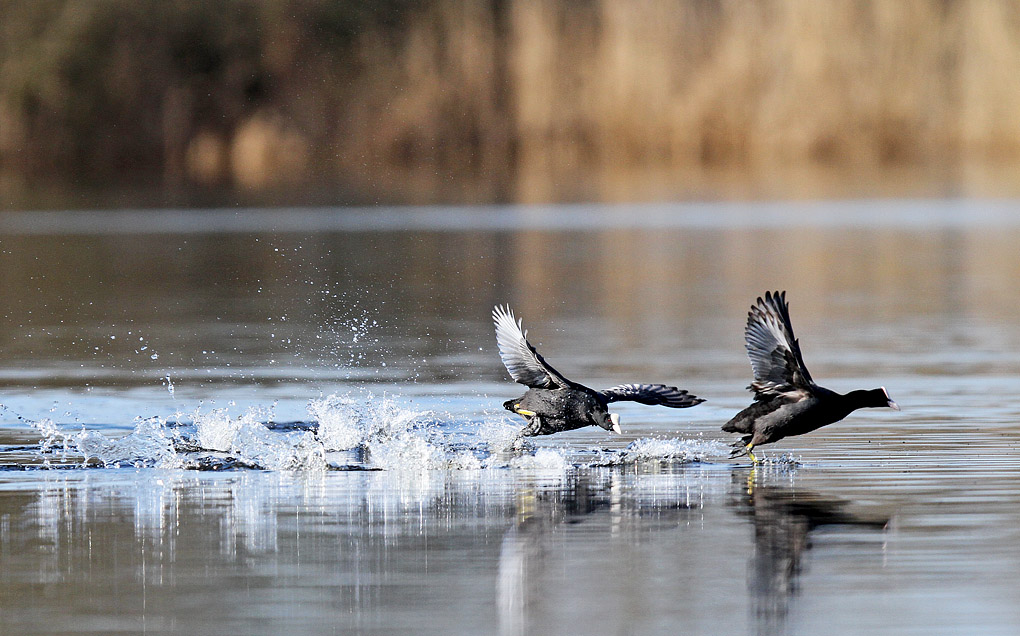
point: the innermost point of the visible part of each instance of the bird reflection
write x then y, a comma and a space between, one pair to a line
784, 519
538, 512
541, 512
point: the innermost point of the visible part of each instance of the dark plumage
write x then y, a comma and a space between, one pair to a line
786, 399
554, 403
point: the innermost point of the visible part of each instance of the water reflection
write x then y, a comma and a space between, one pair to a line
612, 508
538, 546
649, 548
523, 550
225, 544
376, 546
784, 519
233, 306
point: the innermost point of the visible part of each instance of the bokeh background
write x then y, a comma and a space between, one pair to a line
120, 103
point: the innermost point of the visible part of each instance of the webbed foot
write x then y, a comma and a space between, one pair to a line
524, 412
533, 427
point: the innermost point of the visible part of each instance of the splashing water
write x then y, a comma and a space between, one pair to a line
215, 440
394, 437
360, 431
151, 443
250, 440
53, 439
345, 423
349, 333
784, 461
545, 459
670, 449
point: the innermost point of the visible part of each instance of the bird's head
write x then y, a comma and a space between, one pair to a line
609, 421
880, 398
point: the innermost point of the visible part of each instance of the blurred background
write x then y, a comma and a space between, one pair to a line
124, 103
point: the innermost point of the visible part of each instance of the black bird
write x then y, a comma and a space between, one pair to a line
786, 399
554, 403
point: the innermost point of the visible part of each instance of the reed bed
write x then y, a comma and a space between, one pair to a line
504, 100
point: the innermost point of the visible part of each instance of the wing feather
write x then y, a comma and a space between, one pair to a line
524, 363
654, 394
772, 348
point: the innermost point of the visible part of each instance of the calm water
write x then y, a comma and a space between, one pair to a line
264, 422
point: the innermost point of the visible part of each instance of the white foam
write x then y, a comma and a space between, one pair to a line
359, 429
346, 423
500, 434
217, 430
669, 449
149, 444
544, 459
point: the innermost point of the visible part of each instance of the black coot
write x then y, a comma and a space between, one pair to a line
554, 403
786, 399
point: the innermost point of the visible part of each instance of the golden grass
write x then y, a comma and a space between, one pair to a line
518, 100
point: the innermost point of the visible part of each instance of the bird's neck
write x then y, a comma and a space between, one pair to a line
863, 398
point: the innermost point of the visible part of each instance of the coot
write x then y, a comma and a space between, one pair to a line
554, 403
786, 399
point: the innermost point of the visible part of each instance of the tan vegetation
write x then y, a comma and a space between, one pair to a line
512, 99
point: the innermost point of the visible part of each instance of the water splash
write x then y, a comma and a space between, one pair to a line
345, 423
249, 440
392, 436
151, 443
545, 459
784, 461
355, 431
349, 334
671, 449
53, 440
214, 440
389, 435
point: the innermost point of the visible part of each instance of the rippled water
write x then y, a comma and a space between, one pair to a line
256, 422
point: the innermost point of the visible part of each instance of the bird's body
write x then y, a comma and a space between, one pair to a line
786, 400
557, 410
553, 403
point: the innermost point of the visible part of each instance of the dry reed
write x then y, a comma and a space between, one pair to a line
505, 99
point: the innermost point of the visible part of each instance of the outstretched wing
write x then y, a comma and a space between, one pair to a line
652, 394
525, 364
772, 348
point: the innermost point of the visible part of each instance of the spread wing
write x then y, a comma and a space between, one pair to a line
525, 365
655, 394
775, 355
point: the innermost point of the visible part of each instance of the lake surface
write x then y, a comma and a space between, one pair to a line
290, 421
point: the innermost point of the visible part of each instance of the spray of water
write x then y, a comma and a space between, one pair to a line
349, 431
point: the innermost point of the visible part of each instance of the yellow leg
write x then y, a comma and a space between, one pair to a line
527, 505
754, 460
750, 479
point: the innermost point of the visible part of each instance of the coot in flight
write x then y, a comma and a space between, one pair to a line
786, 399
554, 403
